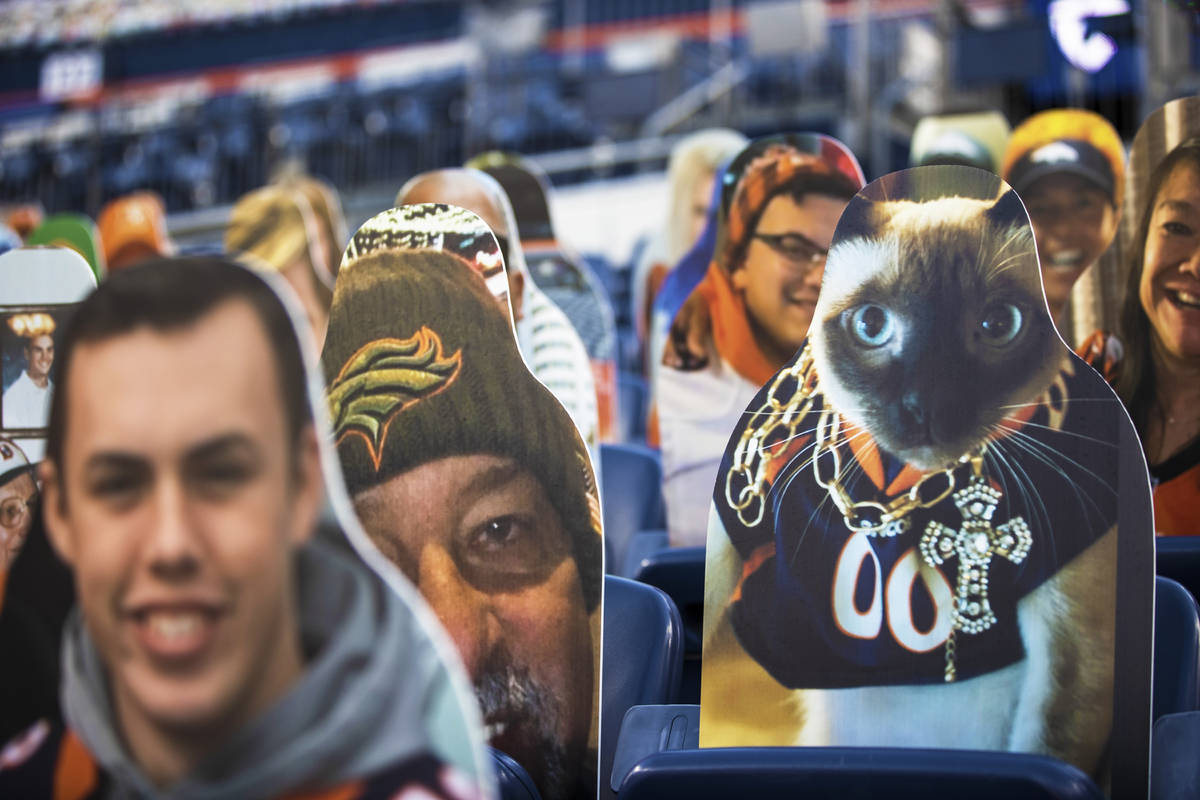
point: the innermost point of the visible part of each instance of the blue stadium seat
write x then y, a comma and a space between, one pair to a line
631, 495
1179, 560
1174, 766
512, 781
679, 571
658, 756
632, 396
817, 772
1176, 649
643, 651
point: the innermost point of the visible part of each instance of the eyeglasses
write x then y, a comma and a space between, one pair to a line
794, 247
13, 510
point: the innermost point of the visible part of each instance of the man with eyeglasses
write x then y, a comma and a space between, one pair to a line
18, 498
747, 318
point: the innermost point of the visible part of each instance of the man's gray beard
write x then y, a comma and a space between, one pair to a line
508, 692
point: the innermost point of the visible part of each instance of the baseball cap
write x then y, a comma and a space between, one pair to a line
129, 221
1073, 156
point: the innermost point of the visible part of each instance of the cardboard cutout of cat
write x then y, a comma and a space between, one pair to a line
469, 475
914, 532
564, 278
39, 287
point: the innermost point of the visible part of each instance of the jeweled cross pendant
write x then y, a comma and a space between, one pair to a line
975, 543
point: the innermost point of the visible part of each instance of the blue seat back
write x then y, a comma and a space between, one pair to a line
633, 395
845, 772
679, 571
643, 652
512, 781
631, 494
1178, 558
1176, 649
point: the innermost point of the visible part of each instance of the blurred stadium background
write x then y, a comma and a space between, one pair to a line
201, 100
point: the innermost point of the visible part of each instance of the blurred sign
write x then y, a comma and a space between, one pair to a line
71, 74
786, 27
1068, 24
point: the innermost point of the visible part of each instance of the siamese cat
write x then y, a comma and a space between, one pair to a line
932, 343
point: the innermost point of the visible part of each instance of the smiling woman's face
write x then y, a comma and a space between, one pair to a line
1170, 285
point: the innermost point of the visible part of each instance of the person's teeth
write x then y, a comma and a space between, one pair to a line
1067, 258
175, 625
494, 729
1188, 298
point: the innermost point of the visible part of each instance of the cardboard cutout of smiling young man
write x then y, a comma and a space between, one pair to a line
222, 648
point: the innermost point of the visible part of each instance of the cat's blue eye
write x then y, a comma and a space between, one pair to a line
871, 325
1001, 323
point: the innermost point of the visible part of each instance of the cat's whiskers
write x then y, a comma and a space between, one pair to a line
1025, 484
1044, 454
1018, 424
793, 469
835, 516
1042, 402
997, 267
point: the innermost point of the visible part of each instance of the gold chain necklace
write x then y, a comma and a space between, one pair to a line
974, 543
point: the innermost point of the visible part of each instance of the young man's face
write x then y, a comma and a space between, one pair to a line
480, 539
40, 355
178, 504
1073, 222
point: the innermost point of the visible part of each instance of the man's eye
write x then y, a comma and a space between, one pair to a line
794, 246
507, 545
498, 533
117, 490
1177, 228
221, 477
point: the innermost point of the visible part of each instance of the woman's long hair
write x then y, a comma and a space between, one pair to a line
1137, 382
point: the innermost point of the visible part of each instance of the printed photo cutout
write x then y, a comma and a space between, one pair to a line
916, 528
549, 344
39, 287
1150, 351
1068, 167
74, 232
749, 314
564, 278
468, 474
967, 140
359, 690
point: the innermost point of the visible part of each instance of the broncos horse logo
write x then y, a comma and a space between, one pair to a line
384, 377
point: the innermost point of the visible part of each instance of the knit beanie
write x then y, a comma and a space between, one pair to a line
434, 226
421, 364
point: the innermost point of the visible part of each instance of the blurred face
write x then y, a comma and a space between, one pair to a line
1074, 223
40, 355
17, 500
179, 503
480, 539
1170, 284
780, 277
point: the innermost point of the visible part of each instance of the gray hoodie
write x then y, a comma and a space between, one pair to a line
374, 692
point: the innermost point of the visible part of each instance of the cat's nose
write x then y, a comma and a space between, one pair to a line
913, 416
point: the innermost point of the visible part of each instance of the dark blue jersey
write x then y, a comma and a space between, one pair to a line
820, 606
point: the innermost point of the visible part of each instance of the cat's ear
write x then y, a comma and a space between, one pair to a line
862, 218
1008, 211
